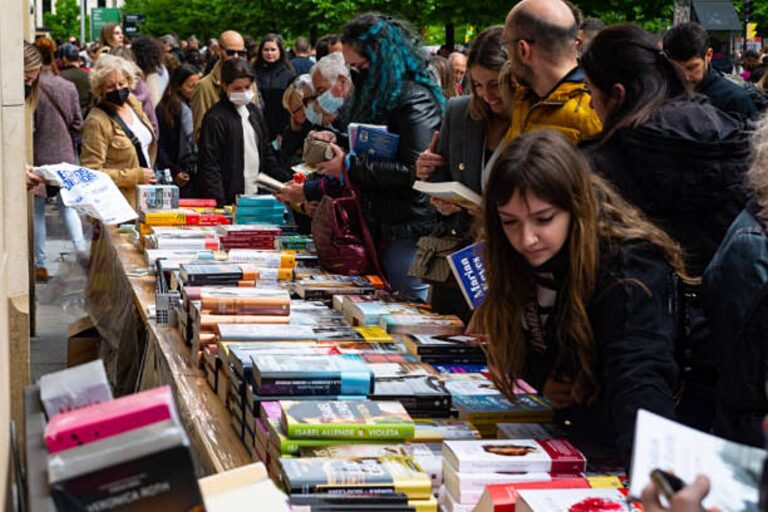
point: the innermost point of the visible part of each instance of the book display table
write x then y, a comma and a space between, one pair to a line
139, 354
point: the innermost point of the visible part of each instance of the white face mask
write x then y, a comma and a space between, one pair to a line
241, 98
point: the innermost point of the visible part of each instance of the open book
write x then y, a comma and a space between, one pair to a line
450, 191
733, 469
268, 182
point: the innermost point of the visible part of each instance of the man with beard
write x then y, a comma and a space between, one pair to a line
541, 40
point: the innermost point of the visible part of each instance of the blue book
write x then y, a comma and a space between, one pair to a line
375, 143
311, 375
468, 268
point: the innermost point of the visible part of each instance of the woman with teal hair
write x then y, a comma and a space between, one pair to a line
392, 87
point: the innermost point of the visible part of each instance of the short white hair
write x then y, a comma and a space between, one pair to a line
105, 67
331, 67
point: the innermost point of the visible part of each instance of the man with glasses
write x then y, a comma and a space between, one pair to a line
208, 92
541, 42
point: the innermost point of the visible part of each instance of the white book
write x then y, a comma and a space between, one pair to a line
558, 500
269, 182
451, 504
74, 388
450, 191
733, 469
231, 490
467, 488
514, 456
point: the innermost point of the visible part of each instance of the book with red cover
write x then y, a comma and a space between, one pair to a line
108, 419
502, 497
518, 455
197, 203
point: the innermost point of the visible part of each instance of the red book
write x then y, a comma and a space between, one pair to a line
197, 203
109, 419
502, 497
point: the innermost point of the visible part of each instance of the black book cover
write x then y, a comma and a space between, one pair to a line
418, 392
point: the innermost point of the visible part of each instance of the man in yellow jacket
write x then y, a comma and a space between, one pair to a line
541, 41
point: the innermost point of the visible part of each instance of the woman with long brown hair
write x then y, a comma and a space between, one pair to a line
581, 292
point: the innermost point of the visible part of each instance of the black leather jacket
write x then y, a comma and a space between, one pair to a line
393, 209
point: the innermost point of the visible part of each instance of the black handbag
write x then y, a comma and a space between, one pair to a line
431, 262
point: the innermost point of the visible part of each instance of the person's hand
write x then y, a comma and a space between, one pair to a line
181, 179
327, 136
558, 392
33, 179
474, 210
444, 207
687, 500
291, 193
429, 160
149, 176
335, 166
310, 207
472, 325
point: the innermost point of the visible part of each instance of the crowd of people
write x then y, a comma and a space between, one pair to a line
624, 178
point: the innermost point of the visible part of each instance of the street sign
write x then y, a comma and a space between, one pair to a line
100, 16
131, 24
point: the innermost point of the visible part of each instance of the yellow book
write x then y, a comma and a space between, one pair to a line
374, 334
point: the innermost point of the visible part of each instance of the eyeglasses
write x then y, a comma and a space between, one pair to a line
239, 53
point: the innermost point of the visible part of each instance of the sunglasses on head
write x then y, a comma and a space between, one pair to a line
239, 53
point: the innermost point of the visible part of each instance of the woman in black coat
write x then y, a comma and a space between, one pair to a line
581, 291
392, 87
234, 145
274, 73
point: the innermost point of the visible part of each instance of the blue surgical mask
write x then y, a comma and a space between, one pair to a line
330, 103
315, 118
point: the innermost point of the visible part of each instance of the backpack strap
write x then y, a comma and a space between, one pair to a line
134, 140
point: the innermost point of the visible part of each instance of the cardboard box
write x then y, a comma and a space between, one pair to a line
82, 342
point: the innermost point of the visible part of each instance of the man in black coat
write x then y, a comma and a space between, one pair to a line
688, 46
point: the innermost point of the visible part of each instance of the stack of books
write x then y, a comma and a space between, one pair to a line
422, 323
222, 274
447, 348
485, 411
468, 466
248, 236
130, 451
265, 209
195, 238
182, 217
325, 287
157, 197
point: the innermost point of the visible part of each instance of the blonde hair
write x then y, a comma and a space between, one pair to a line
294, 95
507, 85
106, 66
757, 176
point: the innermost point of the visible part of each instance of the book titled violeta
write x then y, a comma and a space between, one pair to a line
355, 419
469, 270
518, 455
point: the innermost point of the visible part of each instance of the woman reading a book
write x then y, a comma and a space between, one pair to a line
469, 141
581, 298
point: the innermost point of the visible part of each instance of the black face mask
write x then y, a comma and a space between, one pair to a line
359, 76
118, 96
27, 90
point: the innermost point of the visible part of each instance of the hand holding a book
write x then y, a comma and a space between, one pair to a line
149, 176
444, 207
181, 179
559, 392
335, 166
33, 179
429, 160
687, 500
292, 192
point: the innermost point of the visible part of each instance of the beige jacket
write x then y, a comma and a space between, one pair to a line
208, 93
106, 148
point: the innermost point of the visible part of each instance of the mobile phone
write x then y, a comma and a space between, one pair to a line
667, 483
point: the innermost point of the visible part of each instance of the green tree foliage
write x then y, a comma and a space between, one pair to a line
66, 21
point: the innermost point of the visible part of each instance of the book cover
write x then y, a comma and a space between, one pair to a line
733, 469
518, 455
393, 370
229, 490
458, 344
305, 476
527, 408
103, 420
437, 430
416, 393
286, 446
451, 192
160, 197
374, 334
74, 388
451, 369
311, 375
549, 500
262, 258
358, 419
502, 497
469, 270
422, 324
143, 470
265, 333
375, 143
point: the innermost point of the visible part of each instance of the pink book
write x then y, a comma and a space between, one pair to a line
108, 419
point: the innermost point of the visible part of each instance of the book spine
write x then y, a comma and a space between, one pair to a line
345, 384
394, 432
